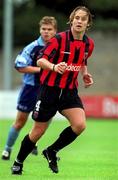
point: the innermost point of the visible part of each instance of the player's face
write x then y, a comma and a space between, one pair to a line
47, 31
80, 21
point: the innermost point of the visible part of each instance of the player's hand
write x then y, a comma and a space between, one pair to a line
88, 80
60, 68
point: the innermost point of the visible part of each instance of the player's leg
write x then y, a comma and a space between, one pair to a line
77, 119
14, 131
44, 110
76, 116
27, 145
71, 107
42, 113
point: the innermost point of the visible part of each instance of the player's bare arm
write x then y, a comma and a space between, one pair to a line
29, 69
45, 64
87, 77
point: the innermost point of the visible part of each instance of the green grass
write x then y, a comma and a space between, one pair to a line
93, 156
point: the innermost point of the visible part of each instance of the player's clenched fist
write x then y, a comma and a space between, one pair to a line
88, 80
60, 68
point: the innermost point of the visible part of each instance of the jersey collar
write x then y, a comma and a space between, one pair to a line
41, 41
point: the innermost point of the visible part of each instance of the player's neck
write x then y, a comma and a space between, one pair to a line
78, 35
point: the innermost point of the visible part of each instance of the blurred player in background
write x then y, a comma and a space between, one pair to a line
61, 61
26, 63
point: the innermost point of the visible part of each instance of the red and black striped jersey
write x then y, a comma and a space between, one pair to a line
64, 48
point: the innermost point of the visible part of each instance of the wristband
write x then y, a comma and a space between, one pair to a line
53, 68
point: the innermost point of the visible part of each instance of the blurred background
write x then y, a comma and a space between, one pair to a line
19, 26
95, 155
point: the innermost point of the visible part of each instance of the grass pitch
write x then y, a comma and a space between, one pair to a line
93, 156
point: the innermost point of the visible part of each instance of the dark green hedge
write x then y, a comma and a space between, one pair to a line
27, 16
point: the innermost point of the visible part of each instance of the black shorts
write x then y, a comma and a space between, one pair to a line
53, 99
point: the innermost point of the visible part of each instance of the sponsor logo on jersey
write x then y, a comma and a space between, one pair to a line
73, 68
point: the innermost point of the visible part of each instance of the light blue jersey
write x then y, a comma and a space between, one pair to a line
27, 58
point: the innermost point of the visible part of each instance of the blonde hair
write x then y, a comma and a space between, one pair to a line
83, 8
48, 20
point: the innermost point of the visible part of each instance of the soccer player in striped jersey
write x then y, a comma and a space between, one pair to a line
26, 63
60, 60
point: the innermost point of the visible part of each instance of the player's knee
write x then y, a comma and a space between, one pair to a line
18, 126
79, 128
82, 127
